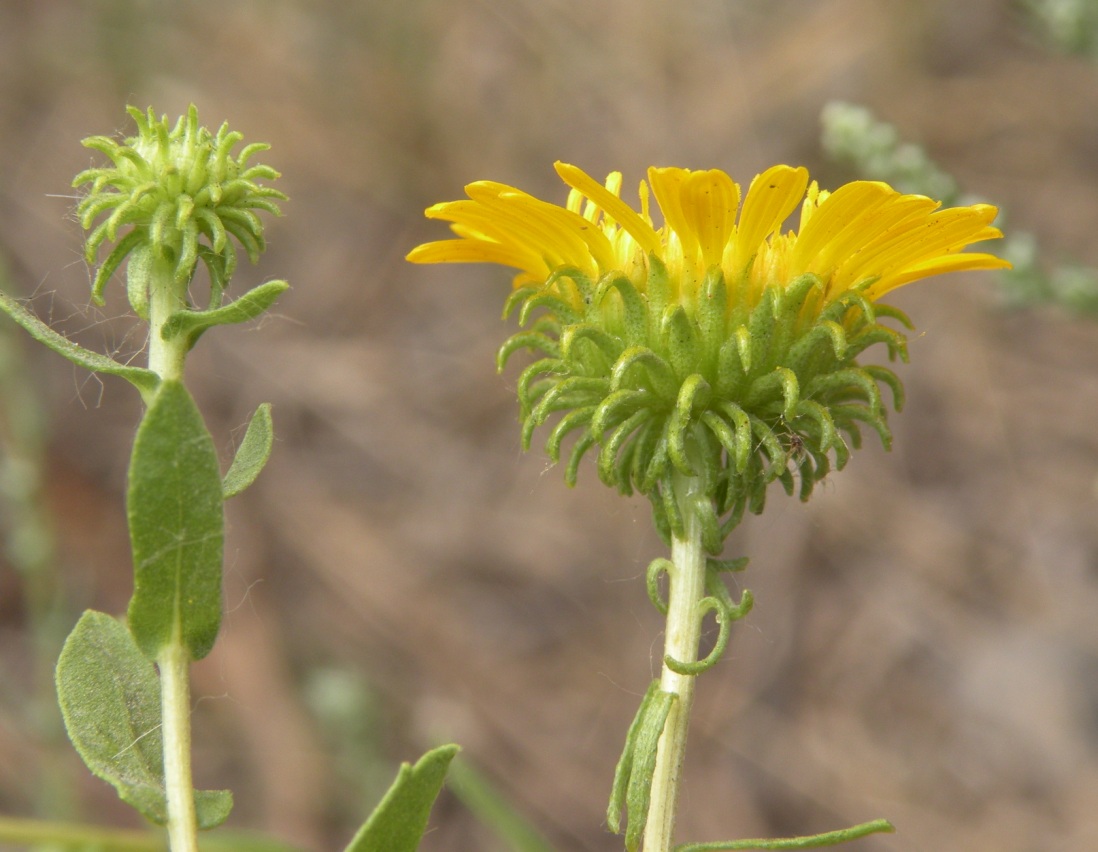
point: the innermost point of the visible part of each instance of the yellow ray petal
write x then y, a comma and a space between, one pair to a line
771, 197
710, 201
572, 239
508, 221
918, 240
937, 266
611, 205
476, 251
841, 212
667, 185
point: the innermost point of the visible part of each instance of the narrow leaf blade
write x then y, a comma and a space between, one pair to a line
144, 380
249, 306
624, 768
253, 453
176, 523
638, 794
398, 822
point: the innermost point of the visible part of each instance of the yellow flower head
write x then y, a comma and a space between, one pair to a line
716, 345
863, 232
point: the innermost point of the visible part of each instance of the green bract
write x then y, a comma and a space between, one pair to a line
737, 396
183, 193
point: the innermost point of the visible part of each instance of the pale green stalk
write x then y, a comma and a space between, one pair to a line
165, 298
683, 634
175, 703
166, 360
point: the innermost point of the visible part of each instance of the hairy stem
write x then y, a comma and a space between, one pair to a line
165, 298
175, 700
166, 360
683, 634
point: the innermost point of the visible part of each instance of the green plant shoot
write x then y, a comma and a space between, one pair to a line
175, 198
700, 361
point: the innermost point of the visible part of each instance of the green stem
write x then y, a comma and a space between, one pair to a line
175, 700
166, 359
34, 832
165, 300
683, 634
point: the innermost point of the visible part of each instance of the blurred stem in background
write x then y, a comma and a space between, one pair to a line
350, 716
494, 810
26, 528
852, 134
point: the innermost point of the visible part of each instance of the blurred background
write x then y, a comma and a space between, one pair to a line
924, 645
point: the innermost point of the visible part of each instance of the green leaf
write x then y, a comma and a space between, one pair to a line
110, 699
140, 271
625, 763
398, 822
638, 794
633, 775
252, 454
176, 523
494, 810
191, 324
212, 807
828, 838
144, 380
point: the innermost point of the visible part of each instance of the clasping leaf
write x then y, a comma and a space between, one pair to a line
176, 521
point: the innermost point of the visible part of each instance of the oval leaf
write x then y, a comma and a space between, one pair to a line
176, 523
253, 453
110, 700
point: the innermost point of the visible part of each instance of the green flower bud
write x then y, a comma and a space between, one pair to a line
182, 193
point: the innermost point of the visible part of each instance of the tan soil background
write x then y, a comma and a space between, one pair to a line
925, 642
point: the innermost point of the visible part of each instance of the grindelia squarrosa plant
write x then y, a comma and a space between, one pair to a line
175, 198
699, 361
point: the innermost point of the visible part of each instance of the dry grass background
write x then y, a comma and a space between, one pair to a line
924, 645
